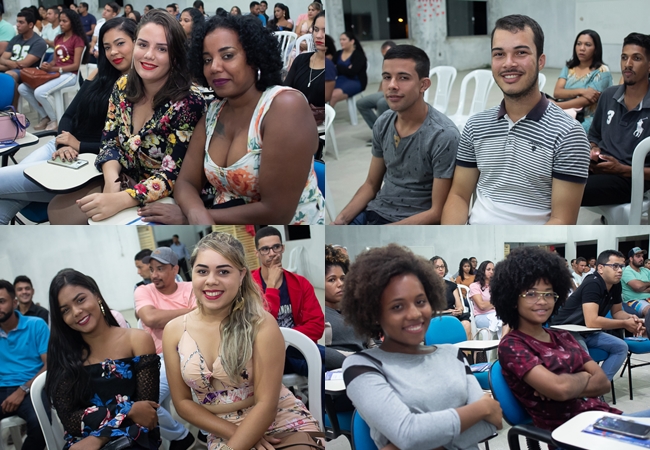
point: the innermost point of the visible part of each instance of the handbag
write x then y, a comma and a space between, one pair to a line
299, 440
34, 77
13, 125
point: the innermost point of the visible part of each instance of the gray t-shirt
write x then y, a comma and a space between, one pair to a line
20, 48
412, 165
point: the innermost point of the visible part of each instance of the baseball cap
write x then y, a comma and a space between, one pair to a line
164, 255
634, 251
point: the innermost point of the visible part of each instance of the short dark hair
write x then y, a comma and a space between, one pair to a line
521, 269
422, 63
265, 2
388, 44
53, 8
253, 3
23, 279
4, 284
580, 259
436, 258
573, 260
175, 236
198, 4
27, 15
642, 40
266, 232
114, 6
597, 60
142, 254
172, 5
84, 4
368, 277
518, 22
603, 258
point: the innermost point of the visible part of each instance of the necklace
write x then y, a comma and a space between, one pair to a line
312, 79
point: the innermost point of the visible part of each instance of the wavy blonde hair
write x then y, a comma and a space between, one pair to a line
239, 329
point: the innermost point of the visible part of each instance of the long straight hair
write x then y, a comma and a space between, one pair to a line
480, 273
77, 29
179, 80
461, 272
67, 350
239, 329
597, 60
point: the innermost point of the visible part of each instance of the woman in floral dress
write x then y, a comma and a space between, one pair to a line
103, 380
151, 116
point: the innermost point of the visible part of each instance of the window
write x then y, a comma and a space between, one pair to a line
376, 20
466, 18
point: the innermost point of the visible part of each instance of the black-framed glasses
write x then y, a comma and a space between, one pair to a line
532, 297
615, 266
277, 248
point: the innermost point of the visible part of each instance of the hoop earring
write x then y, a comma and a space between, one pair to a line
239, 303
259, 74
101, 307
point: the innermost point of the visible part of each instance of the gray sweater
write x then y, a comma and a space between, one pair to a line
410, 400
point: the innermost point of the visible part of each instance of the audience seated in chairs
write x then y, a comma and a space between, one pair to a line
241, 360
69, 47
479, 293
50, 31
226, 149
392, 292
305, 20
81, 126
151, 117
636, 286
102, 379
548, 371
455, 306
23, 356
351, 64
281, 19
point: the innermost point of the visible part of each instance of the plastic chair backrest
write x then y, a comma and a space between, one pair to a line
286, 38
330, 114
513, 412
361, 439
541, 81
598, 354
319, 168
6, 90
444, 330
638, 162
484, 82
463, 291
446, 77
53, 433
308, 39
314, 366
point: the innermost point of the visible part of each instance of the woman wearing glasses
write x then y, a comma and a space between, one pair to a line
549, 372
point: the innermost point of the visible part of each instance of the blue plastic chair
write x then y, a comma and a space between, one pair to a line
513, 413
361, 439
344, 419
634, 347
319, 168
600, 355
449, 330
7, 86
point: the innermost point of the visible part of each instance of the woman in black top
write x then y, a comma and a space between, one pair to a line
80, 128
351, 64
455, 305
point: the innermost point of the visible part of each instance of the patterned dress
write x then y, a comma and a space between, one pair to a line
151, 156
241, 179
213, 386
114, 386
599, 79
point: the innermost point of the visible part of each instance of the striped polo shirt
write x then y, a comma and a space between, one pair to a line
518, 161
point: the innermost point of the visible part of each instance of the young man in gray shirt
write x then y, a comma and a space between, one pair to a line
413, 150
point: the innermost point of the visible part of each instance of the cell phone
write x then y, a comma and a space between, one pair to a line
76, 164
624, 427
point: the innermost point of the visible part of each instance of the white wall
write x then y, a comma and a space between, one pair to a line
187, 234
315, 251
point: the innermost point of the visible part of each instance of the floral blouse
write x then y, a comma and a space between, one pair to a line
153, 155
114, 386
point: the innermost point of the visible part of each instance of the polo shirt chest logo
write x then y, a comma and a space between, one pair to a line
610, 116
639, 127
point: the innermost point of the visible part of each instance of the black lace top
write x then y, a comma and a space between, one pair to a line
115, 386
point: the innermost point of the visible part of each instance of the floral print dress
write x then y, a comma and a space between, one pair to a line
241, 180
114, 386
153, 155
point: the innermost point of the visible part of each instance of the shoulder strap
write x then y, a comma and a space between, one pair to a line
352, 372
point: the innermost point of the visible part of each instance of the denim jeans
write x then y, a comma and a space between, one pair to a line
617, 349
35, 439
368, 104
16, 191
39, 98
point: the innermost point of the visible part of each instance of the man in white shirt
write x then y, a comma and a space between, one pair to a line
50, 31
579, 270
110, 10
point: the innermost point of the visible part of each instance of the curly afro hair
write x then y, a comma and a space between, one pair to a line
370, 274
336, 257
519, 272
262, 48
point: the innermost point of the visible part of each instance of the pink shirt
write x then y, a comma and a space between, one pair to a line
474, 289
148, 295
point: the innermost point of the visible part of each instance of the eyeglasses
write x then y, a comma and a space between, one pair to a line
615, 266
532, 297
277, 248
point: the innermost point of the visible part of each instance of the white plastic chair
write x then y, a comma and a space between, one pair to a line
314, 365
287, 39
630, 213
308, 39
541, 80
484, 82
446, 76
463, 291
330, 137
53, 433
482, 334
13, 424
58, 95
352, 109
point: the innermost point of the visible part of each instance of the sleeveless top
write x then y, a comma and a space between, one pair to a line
241, 180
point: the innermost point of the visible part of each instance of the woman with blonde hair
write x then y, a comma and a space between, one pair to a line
238, 407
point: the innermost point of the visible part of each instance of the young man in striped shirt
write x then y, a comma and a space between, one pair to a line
525, 161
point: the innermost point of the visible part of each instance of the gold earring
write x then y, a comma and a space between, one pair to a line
102, 308
239, 303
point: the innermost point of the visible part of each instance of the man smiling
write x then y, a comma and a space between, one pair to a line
525, 161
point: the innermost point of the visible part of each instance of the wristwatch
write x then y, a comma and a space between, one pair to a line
25, 388
60, 70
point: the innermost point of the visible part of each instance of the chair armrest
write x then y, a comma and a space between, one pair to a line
529, 432
638, 161
45, 133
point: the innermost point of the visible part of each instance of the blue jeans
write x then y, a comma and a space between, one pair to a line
368, 104
39, 98
170, 429
16, 191
35, 439
617, 349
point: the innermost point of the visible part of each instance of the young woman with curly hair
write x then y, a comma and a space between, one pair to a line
152, 113
235, 372
548, 371
241, 61
103, 380
393, 293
